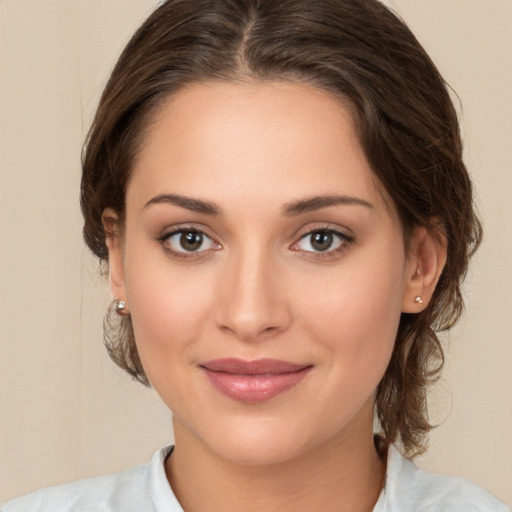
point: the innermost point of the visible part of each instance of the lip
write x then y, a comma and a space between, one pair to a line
254, 381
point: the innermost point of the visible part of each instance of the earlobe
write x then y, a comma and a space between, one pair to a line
110, 220
425, 263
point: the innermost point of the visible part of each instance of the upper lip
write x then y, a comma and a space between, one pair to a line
254, 367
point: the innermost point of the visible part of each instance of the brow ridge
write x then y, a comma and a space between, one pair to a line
292, 208
314, 203
190, 203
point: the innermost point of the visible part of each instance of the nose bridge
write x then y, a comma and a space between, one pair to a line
252, 303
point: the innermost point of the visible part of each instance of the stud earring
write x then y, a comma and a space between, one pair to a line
120, 305
418, 300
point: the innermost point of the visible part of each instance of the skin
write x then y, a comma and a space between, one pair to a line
257, 288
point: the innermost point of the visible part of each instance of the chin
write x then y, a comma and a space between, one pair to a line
258, 452
263, 441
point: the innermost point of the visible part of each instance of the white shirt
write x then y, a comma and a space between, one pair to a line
146, 489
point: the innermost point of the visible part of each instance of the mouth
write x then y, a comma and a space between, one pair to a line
254, 381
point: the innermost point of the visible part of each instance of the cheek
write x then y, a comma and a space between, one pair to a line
168, 304
355, 311
169, 313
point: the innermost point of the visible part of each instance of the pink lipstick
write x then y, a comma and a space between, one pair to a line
253, 381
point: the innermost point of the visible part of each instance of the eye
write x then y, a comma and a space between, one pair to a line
188, 241
322, 241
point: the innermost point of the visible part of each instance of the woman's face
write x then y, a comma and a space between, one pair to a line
263, 268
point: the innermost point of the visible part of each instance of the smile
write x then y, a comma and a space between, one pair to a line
253, 381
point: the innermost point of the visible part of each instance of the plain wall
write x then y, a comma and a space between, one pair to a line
65, 411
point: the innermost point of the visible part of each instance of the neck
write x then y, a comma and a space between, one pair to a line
344, 474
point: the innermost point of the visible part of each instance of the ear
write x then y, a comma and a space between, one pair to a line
425, 263
110, 220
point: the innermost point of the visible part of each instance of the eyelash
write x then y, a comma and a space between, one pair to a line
184, 254
345, 242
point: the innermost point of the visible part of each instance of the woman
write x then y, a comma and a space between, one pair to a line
279, 193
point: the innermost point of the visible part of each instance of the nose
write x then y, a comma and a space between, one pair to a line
252, 301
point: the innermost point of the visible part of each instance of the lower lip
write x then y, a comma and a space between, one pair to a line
255, 388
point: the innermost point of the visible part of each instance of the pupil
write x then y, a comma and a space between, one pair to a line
191, 241
322, 240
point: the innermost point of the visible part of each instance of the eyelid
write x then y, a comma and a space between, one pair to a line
183, 228
337, 230
345, 238
168, 231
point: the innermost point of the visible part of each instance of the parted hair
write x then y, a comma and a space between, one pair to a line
362, 53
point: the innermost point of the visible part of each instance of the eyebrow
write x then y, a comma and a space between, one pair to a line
312, 204
195, 205
293, 208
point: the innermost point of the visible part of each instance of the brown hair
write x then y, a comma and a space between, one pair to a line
356, 49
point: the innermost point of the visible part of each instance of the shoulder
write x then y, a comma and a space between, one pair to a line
120, 491
128, 491
410, 489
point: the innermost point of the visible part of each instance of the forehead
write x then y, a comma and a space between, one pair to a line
269, 140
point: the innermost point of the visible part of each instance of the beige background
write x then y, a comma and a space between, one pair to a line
65, 411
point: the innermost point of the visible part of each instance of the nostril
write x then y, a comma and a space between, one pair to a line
251, 304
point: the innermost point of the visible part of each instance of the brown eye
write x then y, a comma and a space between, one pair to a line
321, 240
191, 240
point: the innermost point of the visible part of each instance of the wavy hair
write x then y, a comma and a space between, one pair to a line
362, 53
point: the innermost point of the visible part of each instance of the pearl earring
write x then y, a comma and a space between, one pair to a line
120, 305
418, 300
